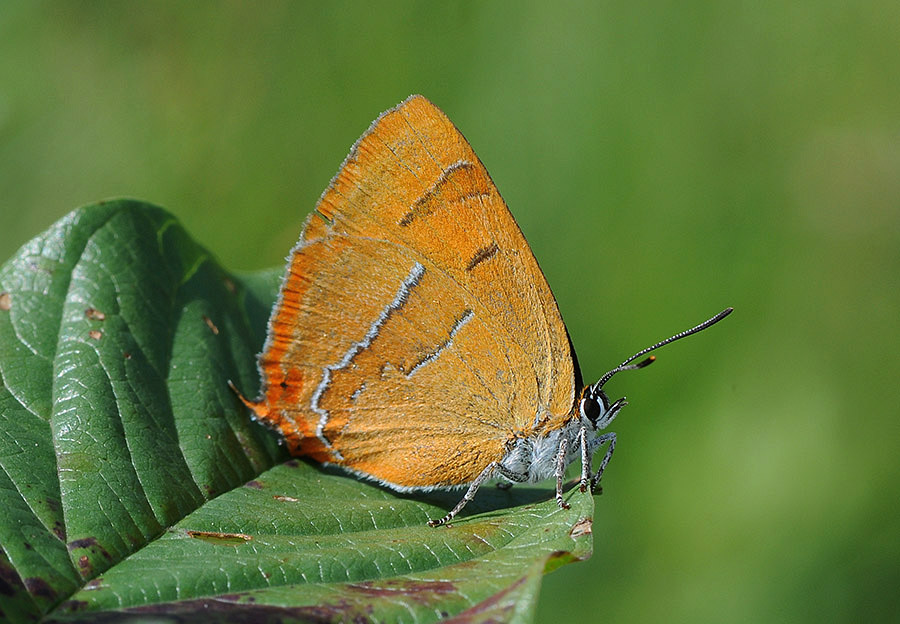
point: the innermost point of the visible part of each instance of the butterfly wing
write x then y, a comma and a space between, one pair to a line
415, 334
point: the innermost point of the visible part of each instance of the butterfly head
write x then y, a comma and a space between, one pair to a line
596, 408
595, 405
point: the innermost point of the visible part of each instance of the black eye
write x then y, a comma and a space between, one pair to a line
594, 404
591, 408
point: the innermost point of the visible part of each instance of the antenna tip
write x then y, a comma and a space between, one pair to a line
718, 317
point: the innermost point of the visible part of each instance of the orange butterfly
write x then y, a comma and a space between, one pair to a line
415, 340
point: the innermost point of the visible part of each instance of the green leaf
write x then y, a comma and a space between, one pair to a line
134, 482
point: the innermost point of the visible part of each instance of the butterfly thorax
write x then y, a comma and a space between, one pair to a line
534, 453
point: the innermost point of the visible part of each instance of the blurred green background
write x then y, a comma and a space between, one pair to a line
664, 160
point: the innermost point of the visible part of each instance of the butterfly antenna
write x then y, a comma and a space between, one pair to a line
627, 364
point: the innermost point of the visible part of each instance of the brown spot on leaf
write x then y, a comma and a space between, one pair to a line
5, 301
37, 586
96, 334
221, 539
496, 608
10, 583
256, 485
211, 325
286, 499
90, 544
392, 589
582, 527
94, 314
84, 542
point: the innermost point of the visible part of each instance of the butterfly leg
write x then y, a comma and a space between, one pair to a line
512, 477
561, 472
469, 495
599, 441
586, 455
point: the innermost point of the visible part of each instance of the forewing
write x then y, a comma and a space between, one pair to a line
415, 333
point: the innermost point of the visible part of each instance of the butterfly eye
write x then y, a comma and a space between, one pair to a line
594, 406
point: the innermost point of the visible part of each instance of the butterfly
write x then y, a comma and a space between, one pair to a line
415, 341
